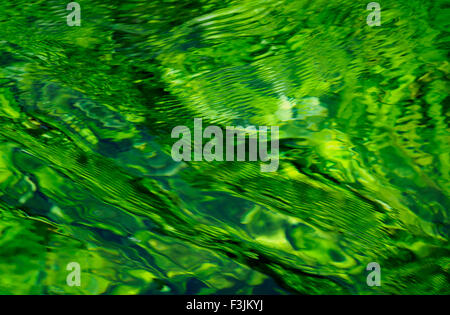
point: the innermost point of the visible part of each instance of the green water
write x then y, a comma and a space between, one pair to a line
86, 173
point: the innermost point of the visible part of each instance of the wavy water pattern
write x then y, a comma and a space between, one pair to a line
86, 173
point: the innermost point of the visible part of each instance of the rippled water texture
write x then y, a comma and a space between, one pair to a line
86, 173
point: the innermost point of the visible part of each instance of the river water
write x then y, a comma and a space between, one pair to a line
86, 173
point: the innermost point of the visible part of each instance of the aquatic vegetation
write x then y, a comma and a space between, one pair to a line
86, 173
